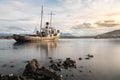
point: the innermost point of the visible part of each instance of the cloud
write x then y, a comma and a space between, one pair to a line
113, 13
79, 11
13, 29
68, 13
97, 24
16, 28
83, 26
9, 20
107, 23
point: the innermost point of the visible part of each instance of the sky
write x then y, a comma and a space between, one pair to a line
23, 16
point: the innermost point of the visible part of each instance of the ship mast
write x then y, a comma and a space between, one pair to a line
51, 19
41, 18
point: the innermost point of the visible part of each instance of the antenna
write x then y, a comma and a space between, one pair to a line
41, 18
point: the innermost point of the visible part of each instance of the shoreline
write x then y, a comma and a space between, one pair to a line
53, 71
10, 37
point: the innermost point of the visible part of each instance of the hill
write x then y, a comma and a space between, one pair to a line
112, 34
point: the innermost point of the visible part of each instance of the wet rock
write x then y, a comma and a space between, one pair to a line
90, 55
59, 59
66, 75
69, 63
51, 61
4, 77
75, 67
61, 77
49, 73
1, 75
89, 71
68, 58
10, 77
12, 66
50, 57
60, 69
22, 77
60, 62
65, 67
31, 67
87, 58
54, 67
72, 75
33, 72
80, 58
80, 70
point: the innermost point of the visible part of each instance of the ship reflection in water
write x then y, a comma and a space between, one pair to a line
42, 50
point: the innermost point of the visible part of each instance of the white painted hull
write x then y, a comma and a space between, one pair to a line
26, 38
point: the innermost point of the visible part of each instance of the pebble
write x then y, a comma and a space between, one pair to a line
66, 75
51, 61
80, 58
89, 70
87, 58
12, 66
50, 57
90, 55
80, 70
72, 75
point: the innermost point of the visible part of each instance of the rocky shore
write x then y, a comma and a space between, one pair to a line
33, 71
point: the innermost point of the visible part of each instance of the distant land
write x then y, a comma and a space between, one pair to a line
69, 35
112, 34
63, 35
5, 36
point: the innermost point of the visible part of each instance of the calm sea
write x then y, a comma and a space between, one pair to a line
105, 65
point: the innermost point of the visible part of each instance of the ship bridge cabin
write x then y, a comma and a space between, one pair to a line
49, 31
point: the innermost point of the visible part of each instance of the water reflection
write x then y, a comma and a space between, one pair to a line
104, 66
42, 49
43, 45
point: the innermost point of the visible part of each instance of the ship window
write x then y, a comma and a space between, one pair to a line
46, 27
58, 31
55, 34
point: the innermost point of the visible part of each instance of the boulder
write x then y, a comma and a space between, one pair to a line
31, 67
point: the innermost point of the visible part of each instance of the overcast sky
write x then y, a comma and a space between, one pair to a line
24, 15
